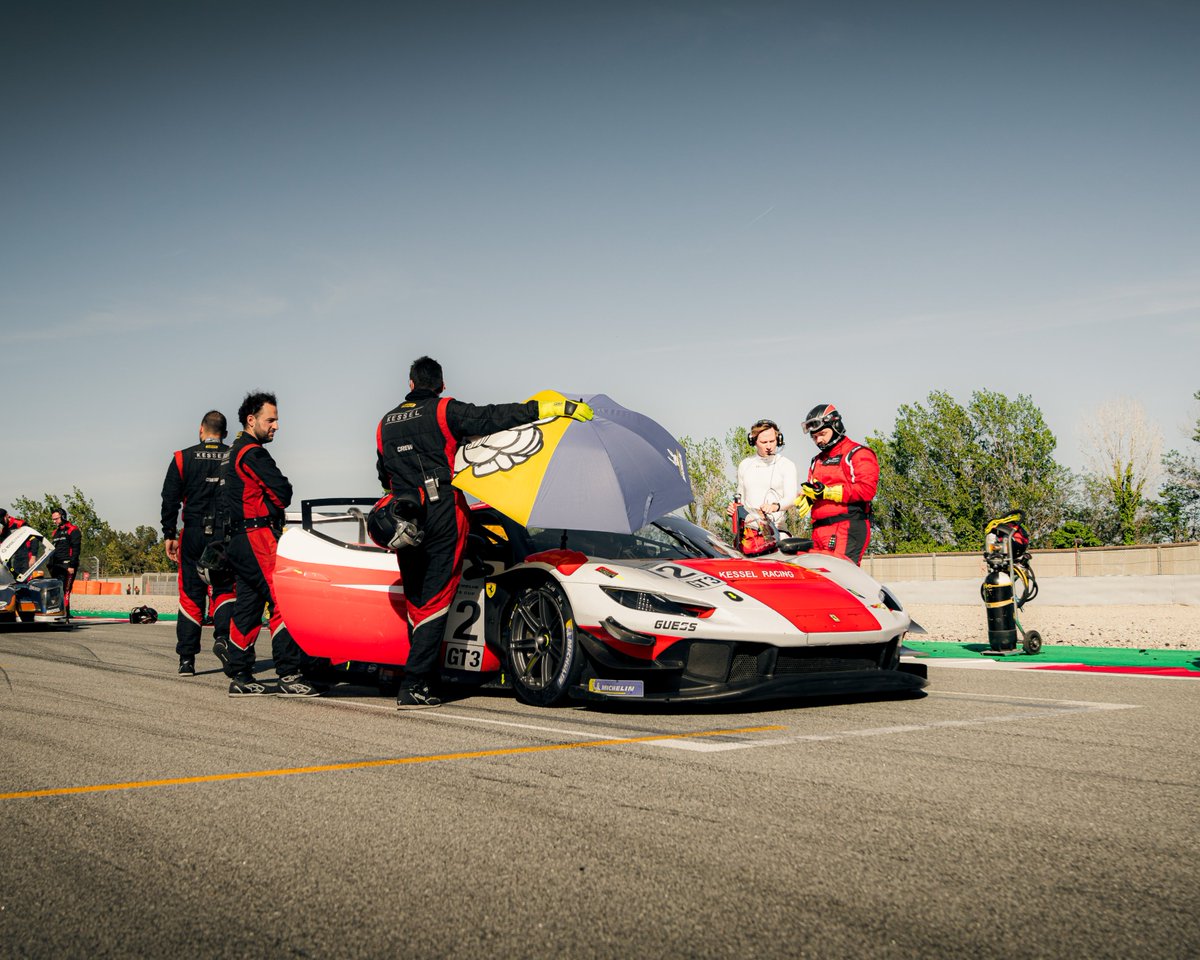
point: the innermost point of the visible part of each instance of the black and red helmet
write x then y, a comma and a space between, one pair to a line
396, 522
821, 416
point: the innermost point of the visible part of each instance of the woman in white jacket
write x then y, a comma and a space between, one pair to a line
767, 480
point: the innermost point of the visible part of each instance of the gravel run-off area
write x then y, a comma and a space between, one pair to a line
1175, 627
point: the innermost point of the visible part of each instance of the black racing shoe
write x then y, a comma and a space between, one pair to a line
244, 685
187, 666
297, 685
220, 649
416, 698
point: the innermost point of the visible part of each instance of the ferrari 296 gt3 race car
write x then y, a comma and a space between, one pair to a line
27, 595
669, 613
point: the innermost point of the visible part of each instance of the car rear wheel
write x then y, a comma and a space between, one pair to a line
542, 655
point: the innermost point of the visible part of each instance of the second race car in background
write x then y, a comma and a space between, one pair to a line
27, 594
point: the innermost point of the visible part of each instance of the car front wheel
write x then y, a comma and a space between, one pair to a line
542, 655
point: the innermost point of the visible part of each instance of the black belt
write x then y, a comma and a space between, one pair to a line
851, 514
253, 523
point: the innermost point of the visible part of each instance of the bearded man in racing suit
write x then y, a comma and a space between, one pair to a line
415, 444
842, 480
255, 496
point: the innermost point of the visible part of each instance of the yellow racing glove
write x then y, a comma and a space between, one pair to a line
816, 490
575, 409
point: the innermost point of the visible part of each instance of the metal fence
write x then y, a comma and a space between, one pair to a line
1138, 561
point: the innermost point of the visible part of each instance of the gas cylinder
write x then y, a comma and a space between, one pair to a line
997, 592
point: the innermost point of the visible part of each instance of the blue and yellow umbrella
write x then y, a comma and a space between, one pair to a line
615, 472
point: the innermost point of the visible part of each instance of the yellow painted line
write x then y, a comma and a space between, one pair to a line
365, 764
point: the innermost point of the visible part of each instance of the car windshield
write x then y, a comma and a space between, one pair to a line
669, 538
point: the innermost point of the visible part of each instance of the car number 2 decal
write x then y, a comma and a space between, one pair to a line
693, 578
464, 629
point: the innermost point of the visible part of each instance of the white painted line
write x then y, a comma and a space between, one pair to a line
1049, 669
1040, 708
1046, 701
1049, 708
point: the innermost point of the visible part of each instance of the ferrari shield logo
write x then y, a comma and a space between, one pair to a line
490, 589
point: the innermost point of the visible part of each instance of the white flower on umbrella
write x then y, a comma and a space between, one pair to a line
500, 451
676, 457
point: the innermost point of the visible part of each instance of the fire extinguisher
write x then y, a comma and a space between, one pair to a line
997, 593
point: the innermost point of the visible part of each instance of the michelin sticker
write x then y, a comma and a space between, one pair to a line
618, 688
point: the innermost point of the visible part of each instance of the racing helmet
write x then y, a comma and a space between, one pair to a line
213, 562
381, 522
143, 615
821, 416
395, 522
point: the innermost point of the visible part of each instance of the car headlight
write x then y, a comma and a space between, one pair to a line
889, 601
655, 603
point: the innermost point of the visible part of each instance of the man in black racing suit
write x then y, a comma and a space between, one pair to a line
415, 444
68, 541
192, 481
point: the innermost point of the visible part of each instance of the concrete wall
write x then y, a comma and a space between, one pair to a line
1157, 591
1165, 559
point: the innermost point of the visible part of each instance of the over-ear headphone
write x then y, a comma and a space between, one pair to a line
759, 426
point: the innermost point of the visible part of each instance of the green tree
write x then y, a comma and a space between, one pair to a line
947, 469
117, 552
712, 490
94, 532
1073, 533
1123, 454
1176, 515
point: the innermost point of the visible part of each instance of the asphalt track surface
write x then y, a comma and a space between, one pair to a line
1003, 814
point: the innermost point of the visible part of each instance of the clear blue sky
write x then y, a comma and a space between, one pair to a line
713, 212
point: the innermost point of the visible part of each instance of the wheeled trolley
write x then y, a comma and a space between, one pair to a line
1006, 555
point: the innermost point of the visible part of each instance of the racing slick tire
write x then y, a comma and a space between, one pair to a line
1032, 643
542, 655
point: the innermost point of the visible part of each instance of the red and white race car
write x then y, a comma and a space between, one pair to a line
668, 613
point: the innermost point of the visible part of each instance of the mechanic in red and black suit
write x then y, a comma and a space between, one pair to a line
255, 496
26, 555
68, 542
193, 483
415, 444
842, 480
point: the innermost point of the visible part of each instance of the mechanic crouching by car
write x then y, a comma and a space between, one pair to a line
67, 544
842, 479
255, 496
415, 444
193, 483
